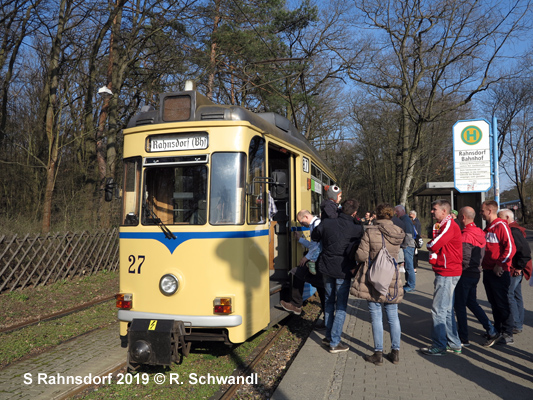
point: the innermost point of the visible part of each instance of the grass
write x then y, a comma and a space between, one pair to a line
23, 305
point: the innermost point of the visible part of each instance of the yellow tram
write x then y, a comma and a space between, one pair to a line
210, 198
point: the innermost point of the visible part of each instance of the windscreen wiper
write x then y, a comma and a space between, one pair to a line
157, 220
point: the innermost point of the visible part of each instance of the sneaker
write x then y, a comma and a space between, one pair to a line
453, 350
506, 339
407, 289
326, 342
492, 339
433, 351
312, 267
320, 326
516, 331
339, 348
290, 307
465, 343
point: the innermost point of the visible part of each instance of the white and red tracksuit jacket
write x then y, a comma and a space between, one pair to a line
446, 248
500, 247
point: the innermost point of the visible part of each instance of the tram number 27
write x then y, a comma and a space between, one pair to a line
135, 264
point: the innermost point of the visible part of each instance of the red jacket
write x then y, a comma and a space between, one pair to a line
473, 250
446, 249
500, 247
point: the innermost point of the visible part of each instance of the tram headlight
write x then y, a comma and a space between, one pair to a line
168, 285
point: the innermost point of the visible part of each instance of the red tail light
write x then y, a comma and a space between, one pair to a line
124, 300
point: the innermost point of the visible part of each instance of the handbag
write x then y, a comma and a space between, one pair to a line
381, 271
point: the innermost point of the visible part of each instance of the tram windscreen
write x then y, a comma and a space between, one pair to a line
226, 205
175, 195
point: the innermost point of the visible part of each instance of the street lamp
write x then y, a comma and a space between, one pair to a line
105, 91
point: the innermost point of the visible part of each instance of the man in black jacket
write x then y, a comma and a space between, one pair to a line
520, 260
338, 237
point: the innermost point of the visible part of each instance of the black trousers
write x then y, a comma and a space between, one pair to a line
297, 290
497, 288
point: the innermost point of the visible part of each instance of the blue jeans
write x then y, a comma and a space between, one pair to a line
376, 318
466, 296
444, 332
337, 291
410, 277
516, 302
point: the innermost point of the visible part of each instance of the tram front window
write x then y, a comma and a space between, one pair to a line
175, 195
226, 203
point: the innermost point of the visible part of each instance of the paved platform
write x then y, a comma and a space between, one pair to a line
499, 372
88, 356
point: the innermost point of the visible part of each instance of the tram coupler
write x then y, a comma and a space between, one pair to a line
157, 342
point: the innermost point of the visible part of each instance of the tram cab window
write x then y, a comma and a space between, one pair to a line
226, 202
258, 200
176, 195
131, 192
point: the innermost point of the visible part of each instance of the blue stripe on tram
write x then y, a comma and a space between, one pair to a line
181, 237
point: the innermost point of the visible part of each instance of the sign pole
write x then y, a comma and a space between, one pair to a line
495, 160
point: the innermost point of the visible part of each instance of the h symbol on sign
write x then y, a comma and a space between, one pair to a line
471, 135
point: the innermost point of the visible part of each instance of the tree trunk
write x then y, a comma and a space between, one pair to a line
213, 53
50, 123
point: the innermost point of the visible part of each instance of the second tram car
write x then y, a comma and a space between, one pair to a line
209, 200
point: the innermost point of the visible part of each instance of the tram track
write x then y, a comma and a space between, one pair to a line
56, 315
225, 393
267, 361
229, 392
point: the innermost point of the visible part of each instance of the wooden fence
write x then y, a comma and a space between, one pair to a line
40, 260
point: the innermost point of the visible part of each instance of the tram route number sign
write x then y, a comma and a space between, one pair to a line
178, 142
472, 156
305, 164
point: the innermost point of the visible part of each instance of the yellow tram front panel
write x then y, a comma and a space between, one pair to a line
206, 268
209, 261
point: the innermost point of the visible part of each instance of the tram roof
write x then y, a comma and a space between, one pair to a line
203, 109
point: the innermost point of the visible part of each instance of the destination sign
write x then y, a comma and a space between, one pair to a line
178, 142
472, 156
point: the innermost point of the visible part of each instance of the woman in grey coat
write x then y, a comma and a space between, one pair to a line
370, 246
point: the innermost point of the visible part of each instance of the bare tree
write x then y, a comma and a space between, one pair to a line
16, 17
512, 103
430, 58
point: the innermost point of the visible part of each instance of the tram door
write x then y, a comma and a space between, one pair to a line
281, 171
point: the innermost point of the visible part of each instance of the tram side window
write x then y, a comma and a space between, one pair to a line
226, 202
131, 192
176, 195
256, 169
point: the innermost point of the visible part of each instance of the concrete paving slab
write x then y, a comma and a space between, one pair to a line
65, 368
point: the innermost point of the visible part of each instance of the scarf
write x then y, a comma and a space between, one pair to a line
437, 228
